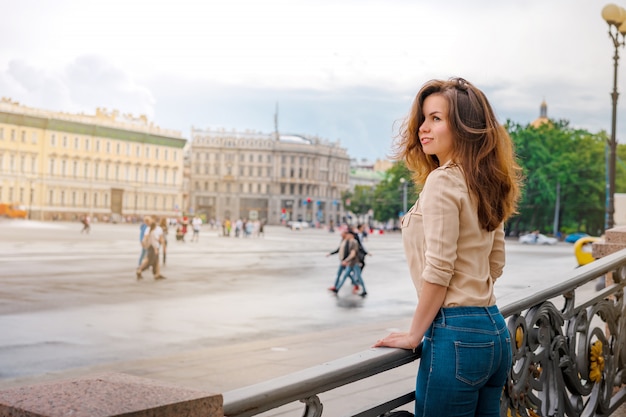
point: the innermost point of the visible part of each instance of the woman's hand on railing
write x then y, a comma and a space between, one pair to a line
400, 340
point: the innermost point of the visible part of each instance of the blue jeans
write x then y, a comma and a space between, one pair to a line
354, 272
143, 254
339, 271
465, 363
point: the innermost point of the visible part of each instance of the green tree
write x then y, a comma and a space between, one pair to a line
388, 194
359, 201
562, 162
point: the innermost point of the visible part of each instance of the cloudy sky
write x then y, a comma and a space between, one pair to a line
343, 70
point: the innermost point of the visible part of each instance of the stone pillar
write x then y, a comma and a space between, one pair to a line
108, 395
614, 240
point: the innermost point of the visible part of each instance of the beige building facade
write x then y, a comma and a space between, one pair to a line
108, 166
276, 178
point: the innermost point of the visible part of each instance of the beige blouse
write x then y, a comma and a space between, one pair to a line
445, 245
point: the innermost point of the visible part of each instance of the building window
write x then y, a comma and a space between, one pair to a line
23, 136
96, 170
51, 165
76, 143
97, 146
147, 152
65, 141
165, 154
117, 148
145, 175
62, 198
156, 153
53, 140
156, 176
108, 147
63, 166
138, 151
33, 164
128, 149
75, 169
13, 135
22, 164
51, 197
1, 133
95, 199
87, 144
74, 198
86, 170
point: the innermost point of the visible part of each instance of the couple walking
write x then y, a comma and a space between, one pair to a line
152, 239
351, 261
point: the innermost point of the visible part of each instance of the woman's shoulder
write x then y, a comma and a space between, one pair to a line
449, 175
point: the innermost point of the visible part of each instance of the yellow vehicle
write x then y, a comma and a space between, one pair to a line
582, 250
12, 211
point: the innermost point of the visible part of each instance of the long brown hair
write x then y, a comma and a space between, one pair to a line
482, 148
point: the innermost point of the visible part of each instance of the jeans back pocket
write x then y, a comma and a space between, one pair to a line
474, 361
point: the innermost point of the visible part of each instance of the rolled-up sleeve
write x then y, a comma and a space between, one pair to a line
497, 256
440, 205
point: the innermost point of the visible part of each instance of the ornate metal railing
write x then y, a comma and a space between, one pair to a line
568, 355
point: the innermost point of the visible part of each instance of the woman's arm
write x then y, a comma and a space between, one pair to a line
431, 300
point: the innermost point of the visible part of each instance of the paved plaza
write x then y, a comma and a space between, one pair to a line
231, 312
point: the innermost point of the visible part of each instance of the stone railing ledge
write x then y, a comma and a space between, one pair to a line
106, 395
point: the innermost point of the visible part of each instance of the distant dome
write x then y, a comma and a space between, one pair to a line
543, 116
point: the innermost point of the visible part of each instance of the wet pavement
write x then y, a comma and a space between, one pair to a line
231, 312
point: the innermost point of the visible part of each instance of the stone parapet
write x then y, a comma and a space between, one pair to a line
106, 395
614, 240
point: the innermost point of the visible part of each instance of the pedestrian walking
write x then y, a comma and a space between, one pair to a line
196, 222
343, 253
463, 160
86, 224
352, 265
143, 227
152, 242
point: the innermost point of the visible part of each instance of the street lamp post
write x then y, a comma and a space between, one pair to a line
404, 185
615, 16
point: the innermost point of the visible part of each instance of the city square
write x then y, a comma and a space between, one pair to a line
70, 301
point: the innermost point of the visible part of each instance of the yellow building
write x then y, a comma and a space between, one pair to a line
107, 165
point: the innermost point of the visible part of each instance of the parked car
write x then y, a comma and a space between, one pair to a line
573, 237
537, 239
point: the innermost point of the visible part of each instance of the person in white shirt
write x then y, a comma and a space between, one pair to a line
152, 243
195, 225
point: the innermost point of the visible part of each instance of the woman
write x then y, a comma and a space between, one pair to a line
454, 243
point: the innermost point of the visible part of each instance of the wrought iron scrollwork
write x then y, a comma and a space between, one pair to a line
566, 362
313, 407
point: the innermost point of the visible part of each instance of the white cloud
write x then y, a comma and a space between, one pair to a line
341, 69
